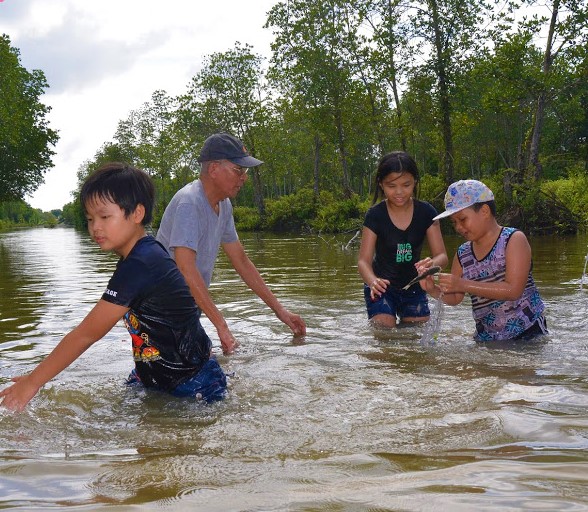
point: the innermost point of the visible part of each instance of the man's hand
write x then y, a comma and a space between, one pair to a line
228, 341
293, 321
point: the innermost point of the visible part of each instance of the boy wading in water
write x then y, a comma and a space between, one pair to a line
170, 348
493, 267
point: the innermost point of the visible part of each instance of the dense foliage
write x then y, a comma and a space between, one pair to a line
467, 87
471, 88
25, 138
18, 213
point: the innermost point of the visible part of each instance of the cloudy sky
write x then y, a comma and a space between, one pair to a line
104, 58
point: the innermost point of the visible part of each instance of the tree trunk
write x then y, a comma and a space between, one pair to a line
444, 103
258, 192
317, 160
375, 117
257, 185
394, 82
535, 166
347, 192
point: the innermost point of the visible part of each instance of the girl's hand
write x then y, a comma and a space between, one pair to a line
422, 265
378, 287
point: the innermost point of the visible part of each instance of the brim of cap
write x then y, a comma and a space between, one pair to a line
246, 161
449, 212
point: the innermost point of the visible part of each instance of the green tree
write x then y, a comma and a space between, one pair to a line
447, 32
311, 67
494, 100
228, 94
387, 52
567, 40
154, 138
19, 213
351, 79
25, 138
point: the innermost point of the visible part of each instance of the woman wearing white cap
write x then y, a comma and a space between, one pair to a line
493, 267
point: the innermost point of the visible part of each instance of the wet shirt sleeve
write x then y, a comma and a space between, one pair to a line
129, 281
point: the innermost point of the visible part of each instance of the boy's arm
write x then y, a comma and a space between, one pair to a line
449, 297
249, 273
97, 323
518, 265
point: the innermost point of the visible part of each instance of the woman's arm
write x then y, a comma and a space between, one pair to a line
364, 264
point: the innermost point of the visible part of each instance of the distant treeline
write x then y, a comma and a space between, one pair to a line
470, 89
20, 214
496, 91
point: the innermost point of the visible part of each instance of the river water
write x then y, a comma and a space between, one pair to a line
346, 419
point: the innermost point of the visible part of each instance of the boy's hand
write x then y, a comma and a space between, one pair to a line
428, 284
17, 396
450, 283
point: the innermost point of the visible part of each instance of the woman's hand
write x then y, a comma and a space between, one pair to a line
423, 265
378, 287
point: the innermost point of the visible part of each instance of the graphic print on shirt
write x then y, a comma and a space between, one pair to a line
142, 348
403, 253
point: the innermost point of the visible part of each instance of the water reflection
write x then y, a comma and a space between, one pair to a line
346, 419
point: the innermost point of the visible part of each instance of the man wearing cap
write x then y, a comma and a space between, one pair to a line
199, 219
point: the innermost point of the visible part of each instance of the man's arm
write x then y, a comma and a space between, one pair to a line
249, 273
186, 262
97, 323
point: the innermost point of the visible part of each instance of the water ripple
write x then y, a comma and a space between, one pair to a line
346, 418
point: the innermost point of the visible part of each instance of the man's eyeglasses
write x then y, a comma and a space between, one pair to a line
239, 171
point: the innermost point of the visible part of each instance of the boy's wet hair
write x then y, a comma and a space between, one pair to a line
491, 204
123, 185
396, 161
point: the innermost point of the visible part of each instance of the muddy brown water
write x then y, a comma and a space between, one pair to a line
346, 419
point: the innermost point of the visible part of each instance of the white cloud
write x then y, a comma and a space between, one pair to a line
103, 59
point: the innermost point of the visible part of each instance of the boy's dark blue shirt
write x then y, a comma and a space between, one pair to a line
169, 343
